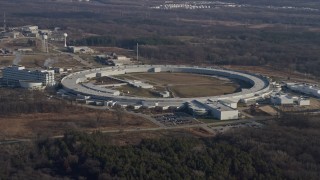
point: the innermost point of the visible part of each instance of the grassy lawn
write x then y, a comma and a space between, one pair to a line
185, 91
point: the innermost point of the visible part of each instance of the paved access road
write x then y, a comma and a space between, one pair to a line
162, 127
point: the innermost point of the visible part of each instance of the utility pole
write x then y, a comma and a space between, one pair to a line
137, 52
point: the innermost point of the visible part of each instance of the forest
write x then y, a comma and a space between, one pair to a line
260, 33
285, 148
288, 148
21, 101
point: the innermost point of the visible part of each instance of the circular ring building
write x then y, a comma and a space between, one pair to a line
76, 84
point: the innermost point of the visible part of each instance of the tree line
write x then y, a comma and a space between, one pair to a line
285, 148
129, 43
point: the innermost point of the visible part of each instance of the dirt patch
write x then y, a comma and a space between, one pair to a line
200, 132
269, 110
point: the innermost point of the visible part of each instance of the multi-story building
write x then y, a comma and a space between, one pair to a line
19, 73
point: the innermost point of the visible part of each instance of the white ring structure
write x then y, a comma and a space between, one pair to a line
73, 84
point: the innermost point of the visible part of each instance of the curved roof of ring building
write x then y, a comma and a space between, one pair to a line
74, 83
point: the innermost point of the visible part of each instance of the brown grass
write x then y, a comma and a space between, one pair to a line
280, 74
50, 124
125, 138
203, 90
184, 84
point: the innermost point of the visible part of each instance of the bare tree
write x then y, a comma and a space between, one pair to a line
99, 118
119, 114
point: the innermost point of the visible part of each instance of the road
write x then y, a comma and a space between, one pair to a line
74, 56
162, 127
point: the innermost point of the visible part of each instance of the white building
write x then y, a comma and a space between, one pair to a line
281, 99
139, 84
30, 31
30, 84
81, 49
122, 58
25, 50
303, 102
230, 103
196, 108
30, 28
19, 73
13, 34
221, 111
164, 94
214, 109
313, 90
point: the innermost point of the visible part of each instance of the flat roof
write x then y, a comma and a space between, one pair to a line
220, 107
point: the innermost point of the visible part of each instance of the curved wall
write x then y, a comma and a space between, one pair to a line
71, 83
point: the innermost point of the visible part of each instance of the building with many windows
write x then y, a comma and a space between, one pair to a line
17, 74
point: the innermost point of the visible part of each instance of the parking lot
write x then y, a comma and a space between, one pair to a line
175, 119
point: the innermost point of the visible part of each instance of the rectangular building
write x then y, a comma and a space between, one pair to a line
313, 90
19, 73
232, 104
214, 109
81, 49
281, 99
303, 102
221, 111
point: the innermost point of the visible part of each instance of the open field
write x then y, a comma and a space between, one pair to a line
200, 90
65, 61
277, 74
182, 84
50, 124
